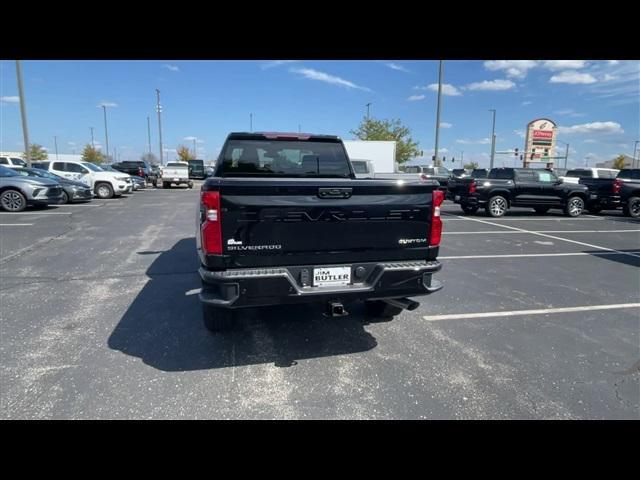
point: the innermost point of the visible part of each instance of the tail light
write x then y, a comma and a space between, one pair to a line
616, 186
423, 177
140, 172
472, 186
211, 227
436, 221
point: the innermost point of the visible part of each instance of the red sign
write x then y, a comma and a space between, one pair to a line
542, 134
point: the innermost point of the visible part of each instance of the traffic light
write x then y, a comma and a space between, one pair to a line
433, 158
453, 159
444, 159
516, 152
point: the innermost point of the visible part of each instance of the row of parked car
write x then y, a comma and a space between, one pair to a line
577, 190
55, 182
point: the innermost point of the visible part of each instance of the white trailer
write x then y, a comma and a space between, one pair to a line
382, 154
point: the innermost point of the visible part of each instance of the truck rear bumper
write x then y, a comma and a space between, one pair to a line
253, 287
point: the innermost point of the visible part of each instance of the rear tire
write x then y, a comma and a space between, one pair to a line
190, 184
166, 185
469, 209
13, 201
541, 210
218, 319
378, 308
632, 208
104, 190
574, 206
65, 197
497, 206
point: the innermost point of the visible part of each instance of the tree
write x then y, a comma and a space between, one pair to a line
36, 152
372, 129
471, 165
619, 162
150, 158
184, 154
91, 154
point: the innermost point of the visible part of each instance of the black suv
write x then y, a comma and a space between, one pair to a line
138, 168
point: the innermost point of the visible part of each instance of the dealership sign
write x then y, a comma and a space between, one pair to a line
540, 140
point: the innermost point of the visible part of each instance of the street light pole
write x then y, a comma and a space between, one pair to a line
368, 105
566, 156
55, 143
493, 139
159, 109
23, 113
106, 133
437, 161
635, 146
92, 142
149, 134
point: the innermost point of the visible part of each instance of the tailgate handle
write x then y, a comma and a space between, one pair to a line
335, 192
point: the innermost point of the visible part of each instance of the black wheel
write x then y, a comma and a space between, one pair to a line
104, 190
154, 183
574, 207
166, 185
632, 208
378, 308
595, 209
218, 319
64, 198
13, 201
469, 209
190, 184
541, 210
496, 206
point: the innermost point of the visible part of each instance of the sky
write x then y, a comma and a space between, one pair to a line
596, 104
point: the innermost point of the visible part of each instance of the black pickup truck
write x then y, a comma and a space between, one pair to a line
503, 188
612, 193
629, 183
284, 220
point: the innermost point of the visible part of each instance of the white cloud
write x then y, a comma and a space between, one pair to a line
446, 125
106, 103
613, 62
395, 66
564, 64
189, 139
569, 112
590, 140
325, 77
71, 143
498, 84
608, 77
447, 89
512, 68
275, 63
526, 102
173, 68
520, 133
482, 141
594, 127
414, 98
10, 99
573, 78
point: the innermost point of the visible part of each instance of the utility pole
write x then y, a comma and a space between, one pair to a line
368, 105
159, 109
23, 113
55, 143
149, 134
493, 139
106, 133
92, 142
566, 156
437, 160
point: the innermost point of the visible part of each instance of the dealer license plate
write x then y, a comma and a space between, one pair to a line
457, 198
331, 276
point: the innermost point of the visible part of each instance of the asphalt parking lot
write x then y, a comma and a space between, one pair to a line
539, 319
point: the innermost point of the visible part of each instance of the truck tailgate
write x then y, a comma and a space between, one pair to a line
279, 222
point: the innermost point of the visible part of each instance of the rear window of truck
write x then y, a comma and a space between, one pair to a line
579, 174
284, 158
501, 174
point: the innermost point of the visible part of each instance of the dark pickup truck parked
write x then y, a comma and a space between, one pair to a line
284, 220
504, 188
629, 181
138, 169
460, 185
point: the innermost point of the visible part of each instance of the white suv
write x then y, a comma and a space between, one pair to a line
12, 162
104, 184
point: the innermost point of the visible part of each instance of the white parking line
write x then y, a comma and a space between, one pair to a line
36, 213
598, 247
526, 255
80, 205
15, 224
540, 311
512, 219
539, 231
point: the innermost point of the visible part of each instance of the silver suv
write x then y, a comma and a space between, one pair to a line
16, 191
